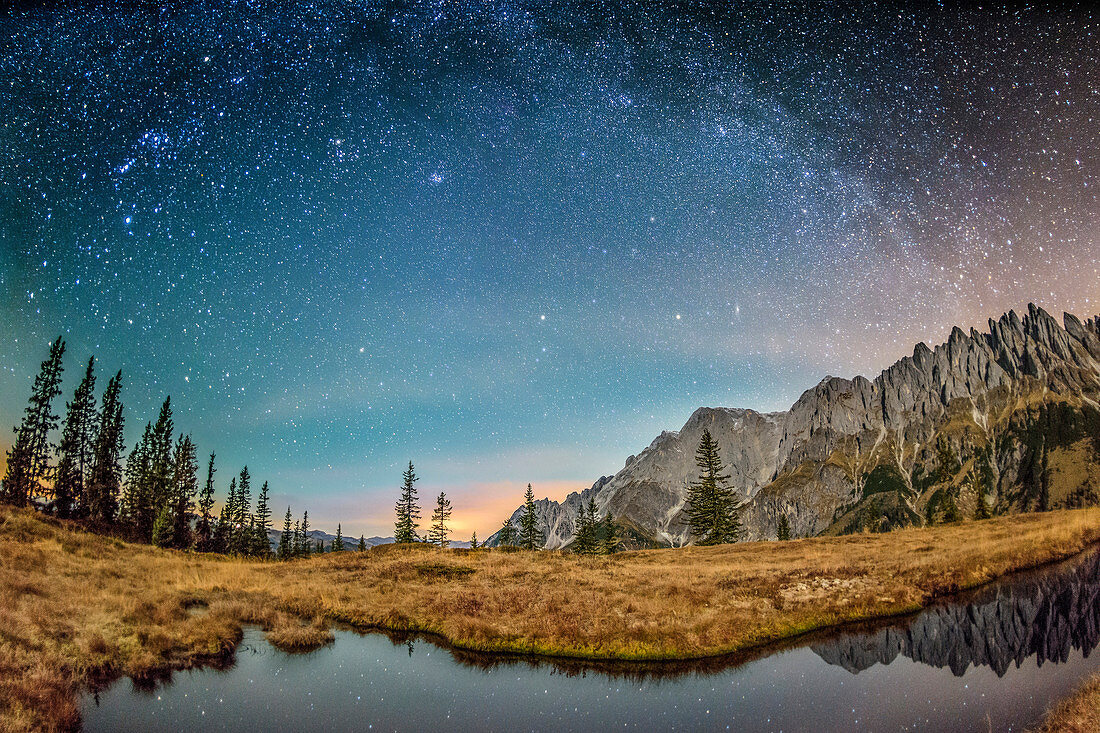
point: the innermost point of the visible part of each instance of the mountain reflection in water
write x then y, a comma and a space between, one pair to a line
1045, 615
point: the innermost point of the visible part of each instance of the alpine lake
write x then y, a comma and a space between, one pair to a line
992, 659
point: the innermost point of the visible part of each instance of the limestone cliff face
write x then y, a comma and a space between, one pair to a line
912, 397
1004, 403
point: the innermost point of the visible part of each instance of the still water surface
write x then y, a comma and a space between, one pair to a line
993, 660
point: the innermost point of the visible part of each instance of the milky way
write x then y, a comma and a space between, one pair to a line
514, 241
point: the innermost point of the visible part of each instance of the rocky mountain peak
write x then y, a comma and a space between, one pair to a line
809, 461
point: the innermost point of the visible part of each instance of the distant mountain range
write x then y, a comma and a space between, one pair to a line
350, 543
1012, 413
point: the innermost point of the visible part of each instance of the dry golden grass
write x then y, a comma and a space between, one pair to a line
77, 607
1078, 713
292, 634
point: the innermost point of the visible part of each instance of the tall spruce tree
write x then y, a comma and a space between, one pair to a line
161, 468
594, 523
507, 535
338, 541
185, 484
204, 529
530, 538
223, 531
473, 541
105, 483
439, 531
712, 508
296, 541
28, 472
407, 509
587, 540
261, 547
609, 542
241, 542
137, 504
783, 528
362, 543
306, 547
286, 547
74, 464
162, 534
15, 487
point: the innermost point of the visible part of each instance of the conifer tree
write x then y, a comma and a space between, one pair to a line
223, 532
241, 543
105, 483
230, 508
338, 541
609, 543
507, 535
320, 547
408, 511
307, 544
286, 539
28, 470
161, 466
473, 541
16, 485
77, 440
149, 474
296, 541
137, 504
86, 434
530, 538
783, 528
437, 535
261, 547
586, 541
204, 526
162, 535
362, 543
594, 524
712, 508
184, 486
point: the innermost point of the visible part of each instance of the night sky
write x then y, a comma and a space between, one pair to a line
512, 242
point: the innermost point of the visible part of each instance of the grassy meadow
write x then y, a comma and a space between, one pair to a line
77, 608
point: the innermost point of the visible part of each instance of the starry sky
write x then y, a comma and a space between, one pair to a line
513, 241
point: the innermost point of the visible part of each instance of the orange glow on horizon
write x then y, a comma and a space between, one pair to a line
480, 506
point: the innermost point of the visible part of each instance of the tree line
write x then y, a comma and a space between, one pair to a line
156, 498
153, 498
